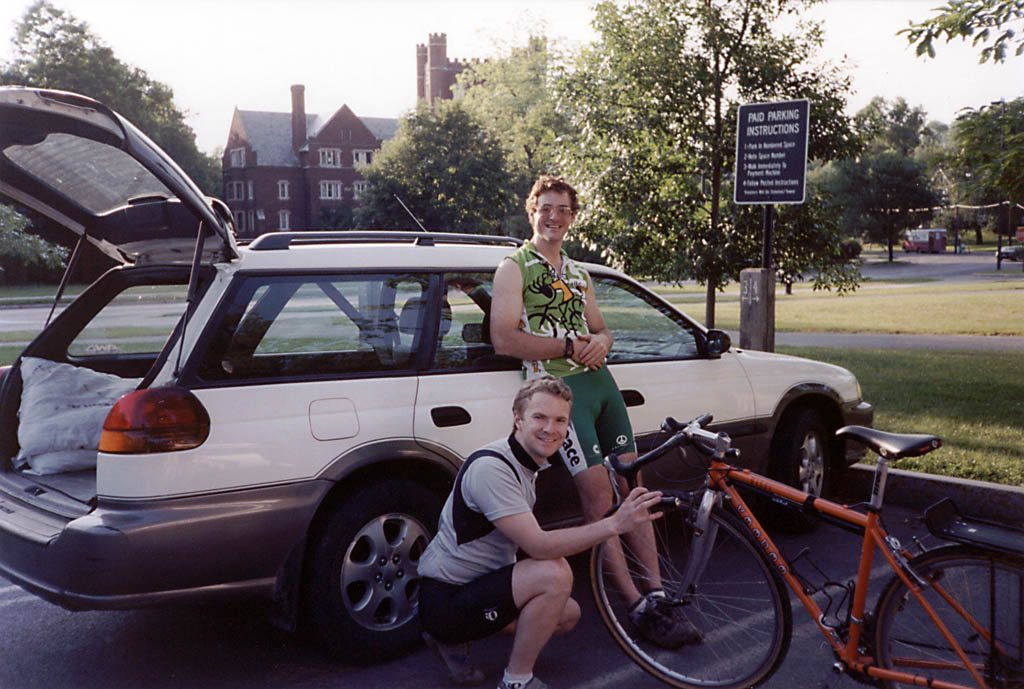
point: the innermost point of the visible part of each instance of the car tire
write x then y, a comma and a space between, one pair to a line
803, 457
362, 587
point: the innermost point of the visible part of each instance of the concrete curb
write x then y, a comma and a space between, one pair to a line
918, 490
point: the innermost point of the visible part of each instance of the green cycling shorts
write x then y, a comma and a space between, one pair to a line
600, 423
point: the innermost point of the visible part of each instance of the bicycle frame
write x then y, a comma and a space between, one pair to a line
722, 478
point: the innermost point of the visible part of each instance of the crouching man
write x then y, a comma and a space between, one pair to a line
472, 585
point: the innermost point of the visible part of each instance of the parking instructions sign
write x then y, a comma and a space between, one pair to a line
771, 152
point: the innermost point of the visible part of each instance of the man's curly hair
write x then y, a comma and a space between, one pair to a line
550, 183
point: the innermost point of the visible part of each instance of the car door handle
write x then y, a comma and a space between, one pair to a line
632, 398
445, 417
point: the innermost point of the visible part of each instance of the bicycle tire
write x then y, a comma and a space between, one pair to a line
989, 585
739, 602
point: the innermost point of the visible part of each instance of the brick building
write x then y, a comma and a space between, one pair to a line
435, 72
297, 171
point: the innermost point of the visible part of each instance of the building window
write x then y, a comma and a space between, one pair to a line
284, 220
358, 189
249, 189
330, 190
330, 157
362, 157
237, 157
240, 222
236, 191
252, 221
282, 190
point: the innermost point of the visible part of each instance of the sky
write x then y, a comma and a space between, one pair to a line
220, 54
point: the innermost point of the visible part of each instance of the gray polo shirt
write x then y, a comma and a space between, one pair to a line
490, 488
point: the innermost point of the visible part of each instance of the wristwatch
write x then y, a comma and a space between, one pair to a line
568, 347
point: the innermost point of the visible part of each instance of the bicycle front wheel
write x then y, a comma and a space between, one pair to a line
988, 588
736, 599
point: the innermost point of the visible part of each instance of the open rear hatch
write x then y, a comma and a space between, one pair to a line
91, 172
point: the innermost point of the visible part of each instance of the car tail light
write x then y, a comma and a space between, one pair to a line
155, 420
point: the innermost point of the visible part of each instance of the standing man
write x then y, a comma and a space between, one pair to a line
544, 312
472, 586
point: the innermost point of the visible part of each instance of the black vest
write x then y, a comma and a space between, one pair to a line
469, 524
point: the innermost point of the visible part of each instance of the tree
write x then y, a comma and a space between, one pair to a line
991, 22
892, 126
880, 189
341, 217
53, 49
883, 188
513, 98
445, 168
654, 103
989, 142
988, 156
25, 257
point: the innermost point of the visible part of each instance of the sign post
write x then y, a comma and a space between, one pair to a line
771, 167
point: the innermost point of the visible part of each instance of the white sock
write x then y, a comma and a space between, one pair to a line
641, 603
515, 681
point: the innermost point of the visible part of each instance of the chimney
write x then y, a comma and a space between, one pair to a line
298, 117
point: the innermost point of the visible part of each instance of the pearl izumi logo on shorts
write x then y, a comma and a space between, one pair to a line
491, 614
621, 440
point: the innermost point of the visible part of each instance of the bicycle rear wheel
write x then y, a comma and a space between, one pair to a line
737, 601
990, 588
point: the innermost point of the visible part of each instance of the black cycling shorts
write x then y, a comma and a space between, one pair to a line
455, 613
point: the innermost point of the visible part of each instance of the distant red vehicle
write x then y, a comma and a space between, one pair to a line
925, 241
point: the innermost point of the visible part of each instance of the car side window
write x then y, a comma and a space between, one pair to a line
278, 326
643, 327
464, 339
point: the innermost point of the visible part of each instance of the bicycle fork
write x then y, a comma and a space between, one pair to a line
704, 533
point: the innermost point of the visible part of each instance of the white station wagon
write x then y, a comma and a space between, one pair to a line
285, 419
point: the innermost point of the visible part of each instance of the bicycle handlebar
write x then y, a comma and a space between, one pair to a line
706, 442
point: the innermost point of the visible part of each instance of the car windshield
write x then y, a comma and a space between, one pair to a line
94, 175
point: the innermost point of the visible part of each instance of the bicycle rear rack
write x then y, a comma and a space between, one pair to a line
945, 521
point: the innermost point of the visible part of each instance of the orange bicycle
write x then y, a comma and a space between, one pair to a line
951, 617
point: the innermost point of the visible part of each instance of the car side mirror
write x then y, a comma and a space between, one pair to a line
718, 343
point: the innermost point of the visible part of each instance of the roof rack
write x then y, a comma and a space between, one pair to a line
282, 240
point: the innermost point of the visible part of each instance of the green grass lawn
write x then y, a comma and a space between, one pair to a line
976, 308
974, 401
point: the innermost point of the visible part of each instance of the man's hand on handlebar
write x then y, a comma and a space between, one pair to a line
636, 509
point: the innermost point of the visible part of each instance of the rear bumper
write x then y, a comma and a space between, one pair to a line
131, 555
857, 414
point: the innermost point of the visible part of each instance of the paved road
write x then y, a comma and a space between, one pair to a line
975, 266
234, 646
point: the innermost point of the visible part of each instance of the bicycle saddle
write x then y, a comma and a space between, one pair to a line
892, 445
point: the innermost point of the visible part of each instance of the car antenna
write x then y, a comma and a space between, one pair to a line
409, 212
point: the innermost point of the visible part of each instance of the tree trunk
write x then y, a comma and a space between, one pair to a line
887, 219
709, 305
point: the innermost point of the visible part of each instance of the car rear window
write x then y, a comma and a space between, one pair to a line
136, 321
94, 175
